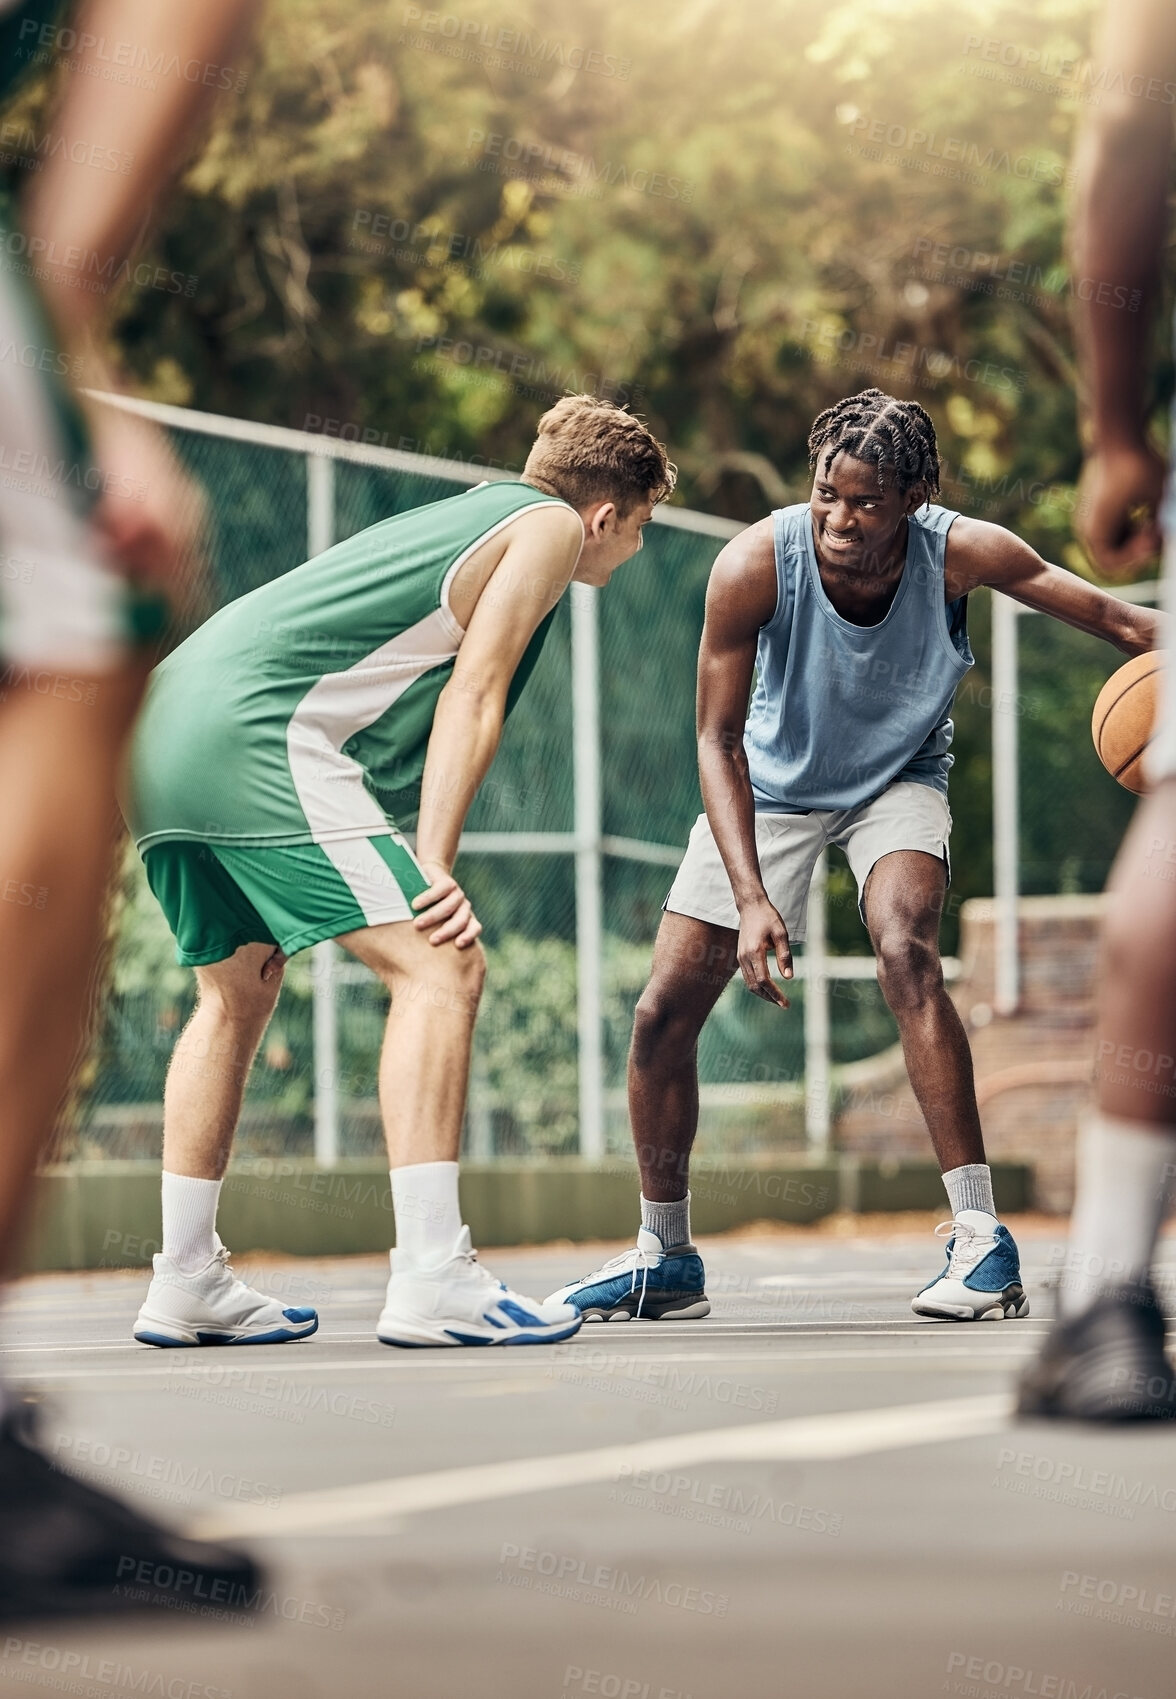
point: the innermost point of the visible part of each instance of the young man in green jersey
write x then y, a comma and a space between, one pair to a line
279, 748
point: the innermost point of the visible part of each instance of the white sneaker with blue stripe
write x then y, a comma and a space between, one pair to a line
981, 1280
645, 1283
458, 1302
213, 1307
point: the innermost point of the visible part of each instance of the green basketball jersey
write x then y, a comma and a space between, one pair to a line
301, 713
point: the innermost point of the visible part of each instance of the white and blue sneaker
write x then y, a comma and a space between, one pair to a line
981, 1280
645, 1283
458, 1302
213, 1307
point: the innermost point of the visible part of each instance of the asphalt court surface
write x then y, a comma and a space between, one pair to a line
812, 1494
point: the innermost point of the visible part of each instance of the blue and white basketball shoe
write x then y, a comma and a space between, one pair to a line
981, 1280
458, 1302
213, 1307
645, 1283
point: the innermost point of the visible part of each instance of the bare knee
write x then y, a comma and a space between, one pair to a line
909, 971
664, 1024
470, 970
241, 1000
443, 977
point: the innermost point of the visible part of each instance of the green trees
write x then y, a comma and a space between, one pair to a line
422, 226
417, 227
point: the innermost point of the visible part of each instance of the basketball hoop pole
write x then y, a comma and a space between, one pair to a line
1005, 821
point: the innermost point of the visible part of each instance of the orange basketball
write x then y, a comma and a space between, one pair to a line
1124, 719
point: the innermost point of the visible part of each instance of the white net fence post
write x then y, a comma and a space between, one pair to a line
320, 535
817, 1117
589, 866
1005, 804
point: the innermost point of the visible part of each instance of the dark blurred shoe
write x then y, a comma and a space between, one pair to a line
67, 1549
1105, 1365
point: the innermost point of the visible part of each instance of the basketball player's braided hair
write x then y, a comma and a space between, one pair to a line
895, 436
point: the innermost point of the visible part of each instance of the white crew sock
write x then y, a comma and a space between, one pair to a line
189, 1220
970, 1187
670, 1221
428, 1215
1126, 1174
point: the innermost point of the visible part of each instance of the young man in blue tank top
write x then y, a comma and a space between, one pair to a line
850, 613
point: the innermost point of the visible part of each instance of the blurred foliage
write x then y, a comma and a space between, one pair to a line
417, 228
716, 231
729, 211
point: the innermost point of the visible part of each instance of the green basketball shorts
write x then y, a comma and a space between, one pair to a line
217, 897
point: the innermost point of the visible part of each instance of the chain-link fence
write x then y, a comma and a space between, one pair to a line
571, 846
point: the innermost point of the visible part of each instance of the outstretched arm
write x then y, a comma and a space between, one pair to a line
537, 563
1120, 228
979, 553
740, 598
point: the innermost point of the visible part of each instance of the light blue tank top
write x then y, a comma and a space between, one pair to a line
840, 710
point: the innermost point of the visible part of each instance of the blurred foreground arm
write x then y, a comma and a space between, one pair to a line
149, 121
1120, 224
186, 47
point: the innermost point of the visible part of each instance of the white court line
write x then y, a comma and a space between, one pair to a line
146, 1377
848, 1433
593, 1334
651, 1334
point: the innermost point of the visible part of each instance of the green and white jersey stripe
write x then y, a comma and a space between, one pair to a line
301, 713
